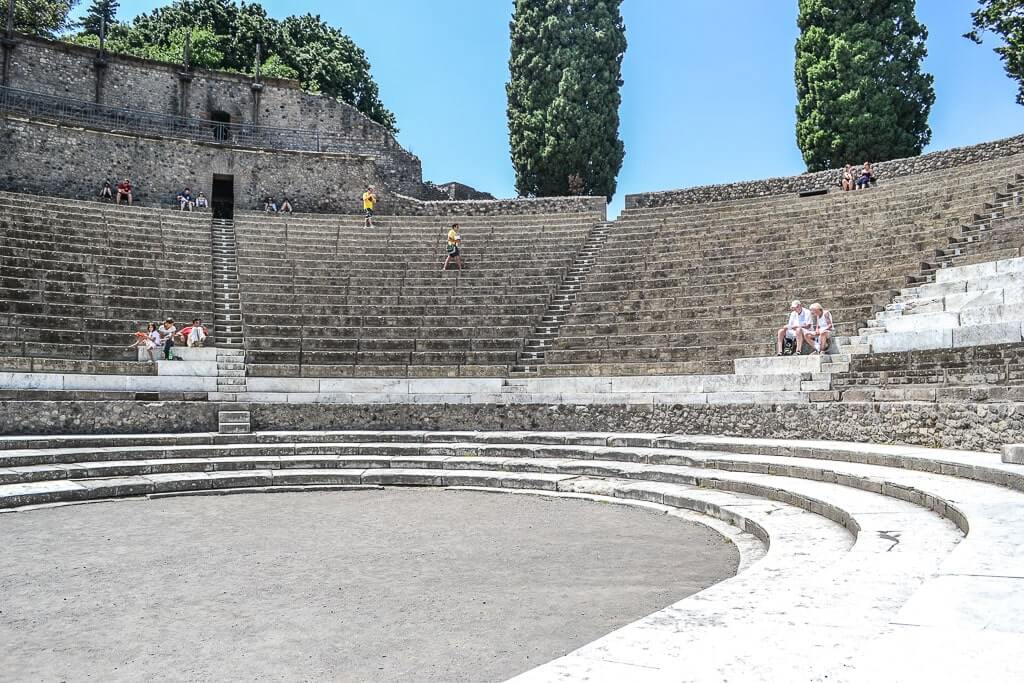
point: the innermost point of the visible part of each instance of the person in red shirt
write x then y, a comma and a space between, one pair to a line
193, 335
124, 189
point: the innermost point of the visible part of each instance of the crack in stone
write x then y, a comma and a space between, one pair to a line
893, 536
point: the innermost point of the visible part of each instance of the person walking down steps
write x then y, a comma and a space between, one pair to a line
453, 248
369, 202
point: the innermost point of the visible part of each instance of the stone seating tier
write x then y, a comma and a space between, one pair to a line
849, 552
73, 270
685, 285
328, 295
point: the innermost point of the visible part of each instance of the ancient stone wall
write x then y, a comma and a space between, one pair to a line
828, 180
966, 426
71, 162
106, 417
495, 207
65, 70
975, 427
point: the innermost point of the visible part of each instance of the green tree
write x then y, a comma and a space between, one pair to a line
861, 94
44, 18
563, 96
322, 58
1005, 18
100, 12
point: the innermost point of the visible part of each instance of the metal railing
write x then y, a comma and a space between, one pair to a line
116, 119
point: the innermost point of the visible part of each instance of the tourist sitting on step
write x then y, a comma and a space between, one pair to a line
193, 335
799, 322
148, 340
848, 180
820, 333
369, 203
270, 205
202, 202
286, 205
453, 247
124, 189
167, 331
106, 192
867, 176
185, 200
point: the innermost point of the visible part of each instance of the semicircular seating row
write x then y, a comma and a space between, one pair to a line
870, 562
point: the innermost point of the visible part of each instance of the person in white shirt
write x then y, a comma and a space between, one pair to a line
799, 322
196, 333
820, 332
166, 332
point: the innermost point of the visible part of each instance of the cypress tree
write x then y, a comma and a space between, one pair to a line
563, 95
861, 94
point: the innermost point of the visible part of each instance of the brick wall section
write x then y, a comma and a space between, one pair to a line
946, 159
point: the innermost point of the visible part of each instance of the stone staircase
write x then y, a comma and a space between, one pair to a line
227, 305
544, 334
1011, 196
233, 422
230, 375
974, 305
228, 330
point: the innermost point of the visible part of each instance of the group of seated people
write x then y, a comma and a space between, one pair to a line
185, 200
164, 336
854, 180
123, 188
812, 326
270, 205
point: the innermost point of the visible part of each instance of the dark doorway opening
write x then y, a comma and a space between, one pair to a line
221, 121
222, 196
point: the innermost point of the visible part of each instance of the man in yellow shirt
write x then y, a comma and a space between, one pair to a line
369, 201
454, 243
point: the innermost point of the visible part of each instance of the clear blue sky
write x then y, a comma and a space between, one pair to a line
708, 94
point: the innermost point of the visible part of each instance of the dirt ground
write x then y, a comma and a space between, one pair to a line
399, 584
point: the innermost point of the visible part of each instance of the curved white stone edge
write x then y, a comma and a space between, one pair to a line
873, 604
976, 465
803, 544
448, 436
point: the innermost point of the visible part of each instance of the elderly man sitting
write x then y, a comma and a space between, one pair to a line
799, 322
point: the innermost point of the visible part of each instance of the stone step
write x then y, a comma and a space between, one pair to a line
234, 428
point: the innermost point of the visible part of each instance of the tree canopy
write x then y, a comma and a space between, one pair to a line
861, 92
1004, 18
224, 35
563, 96
44, 18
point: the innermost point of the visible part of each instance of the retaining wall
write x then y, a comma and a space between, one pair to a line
64, 161
828, 180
